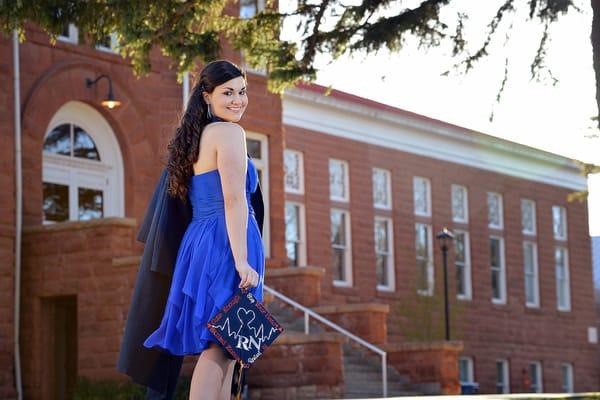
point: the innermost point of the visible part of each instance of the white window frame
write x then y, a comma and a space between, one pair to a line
470, 369
390, 255
533, 218
346, 176
502, 299
539, 388
420, 213
262, 164
465, 204
302, 232
430, 269
567, 279
113, 44
500, 210
506, 373
106, 175
536, 278
467, 267
73, 35
300, 171
388, 183
348, 250
563, 215
568, 386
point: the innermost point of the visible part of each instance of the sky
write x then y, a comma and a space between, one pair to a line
555, 118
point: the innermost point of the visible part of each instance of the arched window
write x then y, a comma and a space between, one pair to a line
82, 167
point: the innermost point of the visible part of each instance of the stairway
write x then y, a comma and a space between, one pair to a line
362, 369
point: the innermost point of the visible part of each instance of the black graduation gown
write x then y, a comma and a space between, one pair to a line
162, 229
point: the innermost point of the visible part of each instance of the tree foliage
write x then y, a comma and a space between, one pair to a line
189, 31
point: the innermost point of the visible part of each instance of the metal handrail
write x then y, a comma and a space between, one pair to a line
310, 313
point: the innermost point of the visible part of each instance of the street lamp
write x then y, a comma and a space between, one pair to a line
110, 101
444, 237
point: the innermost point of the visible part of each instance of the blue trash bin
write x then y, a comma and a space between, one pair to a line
469, 388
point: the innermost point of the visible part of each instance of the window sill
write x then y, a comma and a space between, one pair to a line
342, 284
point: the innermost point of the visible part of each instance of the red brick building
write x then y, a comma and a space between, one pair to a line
352, 187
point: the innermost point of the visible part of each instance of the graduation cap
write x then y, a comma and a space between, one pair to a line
244, 327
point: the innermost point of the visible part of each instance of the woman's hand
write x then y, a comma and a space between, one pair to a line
248, 276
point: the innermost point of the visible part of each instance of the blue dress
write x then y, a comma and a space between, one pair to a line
204, 276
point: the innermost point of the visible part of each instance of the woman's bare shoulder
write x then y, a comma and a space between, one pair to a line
224, 131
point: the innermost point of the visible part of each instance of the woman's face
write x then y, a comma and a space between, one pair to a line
229, 100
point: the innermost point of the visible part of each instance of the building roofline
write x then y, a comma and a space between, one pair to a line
472, 133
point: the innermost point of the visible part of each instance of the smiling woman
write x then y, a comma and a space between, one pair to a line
221, 249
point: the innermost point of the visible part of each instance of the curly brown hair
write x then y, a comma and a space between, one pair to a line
184, 148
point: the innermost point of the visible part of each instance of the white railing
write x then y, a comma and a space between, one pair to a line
310, 313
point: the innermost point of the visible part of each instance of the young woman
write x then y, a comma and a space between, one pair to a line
221, 248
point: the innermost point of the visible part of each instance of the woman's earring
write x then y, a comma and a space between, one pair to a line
208, 113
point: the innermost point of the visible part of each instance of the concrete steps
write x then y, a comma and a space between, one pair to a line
362, 376
362, 368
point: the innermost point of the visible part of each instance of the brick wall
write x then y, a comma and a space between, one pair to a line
489, 331
76, 259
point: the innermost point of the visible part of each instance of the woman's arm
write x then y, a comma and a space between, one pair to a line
232, 165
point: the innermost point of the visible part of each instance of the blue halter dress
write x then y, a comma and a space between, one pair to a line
205, 277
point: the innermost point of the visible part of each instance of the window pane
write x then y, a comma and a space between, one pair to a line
338, 264
495, 253
460, 280
528, 216
292, 170
337, 179
421, 195
90, 204
292, 232
65, 30
58, 140
459, 247
83, 145
463, 372
56, 202
381, 270
500, 377
381, 196
338, 231
248, 8
292, 253
459, 203
291, 222
494, 210
381, 239
253, 148
559, 217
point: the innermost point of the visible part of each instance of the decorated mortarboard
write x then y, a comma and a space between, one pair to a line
244, 327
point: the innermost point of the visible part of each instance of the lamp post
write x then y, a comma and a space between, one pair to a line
444, 236
110, 101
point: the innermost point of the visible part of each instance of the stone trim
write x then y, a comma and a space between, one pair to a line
126, 261
293, 338
348, 308
456, 345
292, 271
77, 225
